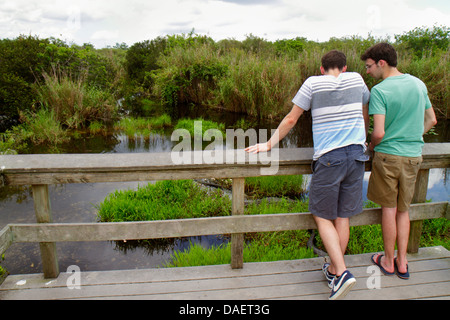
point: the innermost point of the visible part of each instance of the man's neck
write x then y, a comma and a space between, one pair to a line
391, 72
333, 72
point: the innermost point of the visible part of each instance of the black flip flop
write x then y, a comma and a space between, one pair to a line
378, 263
404, 276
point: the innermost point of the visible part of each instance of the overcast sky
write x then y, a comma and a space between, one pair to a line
107, 22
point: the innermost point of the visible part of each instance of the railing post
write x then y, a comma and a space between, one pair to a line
420, 196
237, 239
44, 215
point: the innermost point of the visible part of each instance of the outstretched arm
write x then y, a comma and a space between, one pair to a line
283, 129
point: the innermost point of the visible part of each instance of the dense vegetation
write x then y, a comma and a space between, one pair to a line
71, 87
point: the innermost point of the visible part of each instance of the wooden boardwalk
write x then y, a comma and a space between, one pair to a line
296, 279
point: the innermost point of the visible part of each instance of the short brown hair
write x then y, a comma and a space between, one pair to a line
334, 59
381, 51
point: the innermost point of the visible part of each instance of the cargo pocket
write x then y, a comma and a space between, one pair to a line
415, 162
329, 162
414, 166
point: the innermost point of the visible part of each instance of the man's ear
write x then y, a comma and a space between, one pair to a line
322, 70
344, 69
382, 63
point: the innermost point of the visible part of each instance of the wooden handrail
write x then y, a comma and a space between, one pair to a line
61, 232
109, 167
42, 170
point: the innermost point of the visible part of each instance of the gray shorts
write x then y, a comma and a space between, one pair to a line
336, 183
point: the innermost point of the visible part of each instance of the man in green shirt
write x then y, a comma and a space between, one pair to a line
402, 113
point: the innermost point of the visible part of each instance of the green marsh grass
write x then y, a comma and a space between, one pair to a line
275, 186
186, 199
44, 127
96, 127
269, 246
435, 232
163, 200
131, 126
199, 126
37, 128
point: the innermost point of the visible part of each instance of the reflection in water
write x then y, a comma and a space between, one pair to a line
75, 203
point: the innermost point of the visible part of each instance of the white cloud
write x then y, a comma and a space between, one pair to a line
105, 35
104, 22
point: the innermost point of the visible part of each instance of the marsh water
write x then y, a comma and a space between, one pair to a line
76, 202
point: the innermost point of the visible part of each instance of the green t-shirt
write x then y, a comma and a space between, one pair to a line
403, 100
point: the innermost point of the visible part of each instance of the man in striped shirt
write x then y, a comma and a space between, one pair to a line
338, 101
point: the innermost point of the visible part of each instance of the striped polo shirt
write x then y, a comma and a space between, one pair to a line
336, 109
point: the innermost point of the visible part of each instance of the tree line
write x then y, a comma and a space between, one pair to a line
81, 84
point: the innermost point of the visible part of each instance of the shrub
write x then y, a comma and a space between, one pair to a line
423, 41
19, 62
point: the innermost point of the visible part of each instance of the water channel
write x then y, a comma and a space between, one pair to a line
76, 202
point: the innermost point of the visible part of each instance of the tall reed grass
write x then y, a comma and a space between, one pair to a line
257, 86
43, 127
74, 103
434, 71
262, 81
188, 74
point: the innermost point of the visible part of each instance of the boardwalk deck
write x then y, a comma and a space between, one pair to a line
296, 279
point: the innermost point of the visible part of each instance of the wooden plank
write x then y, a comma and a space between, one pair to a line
55, 232
82, 168
267, 273
159, 229
6, 239
295, 285
281, 279
420, 196
237, 239
431, 258
244, 290
137, 161
43, 213
151, 174
447, 214
270, 286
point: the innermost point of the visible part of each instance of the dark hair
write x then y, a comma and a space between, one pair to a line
381, 51
334, 59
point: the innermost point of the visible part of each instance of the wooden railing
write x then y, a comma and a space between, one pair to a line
42, 170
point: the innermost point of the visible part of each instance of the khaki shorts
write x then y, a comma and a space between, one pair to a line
392, 180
